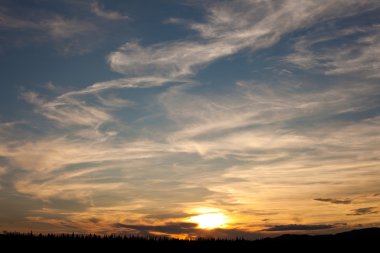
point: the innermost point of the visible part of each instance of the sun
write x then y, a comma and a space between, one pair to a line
209, 220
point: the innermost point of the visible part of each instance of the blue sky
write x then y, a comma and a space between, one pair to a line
142, 116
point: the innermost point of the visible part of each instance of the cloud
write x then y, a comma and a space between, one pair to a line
58, 189
62, 28
226, 17
175, 229
99, 11
94, 220
175, 61
247, 141
114, 102
8, 21
364, 211
166, 215
227, 30
267, 145
324, 52
8, 129
167, 60
101, 172
169, 228
70, 35
297, 227
54, 154
252, 126
68, 111
219, 125
137, 82
58, 27
283, 135
335, 201
71, 108
3, 170
260, 212
365, 62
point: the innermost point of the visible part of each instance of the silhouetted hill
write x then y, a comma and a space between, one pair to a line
366, 234
362, 234
356, 239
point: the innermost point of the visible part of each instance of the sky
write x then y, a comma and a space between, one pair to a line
194, 118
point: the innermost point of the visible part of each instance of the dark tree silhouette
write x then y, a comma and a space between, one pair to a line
357, 239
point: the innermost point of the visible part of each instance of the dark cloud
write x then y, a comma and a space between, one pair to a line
335, 201
260, 212
340, 224
191, 230
293, 227
169, 228
93, 220
163, 216
363, 211
66, 204
17, 206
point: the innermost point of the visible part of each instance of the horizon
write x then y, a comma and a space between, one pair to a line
188, 119
129, 236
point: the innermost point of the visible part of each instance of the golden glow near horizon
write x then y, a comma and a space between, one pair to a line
210, 220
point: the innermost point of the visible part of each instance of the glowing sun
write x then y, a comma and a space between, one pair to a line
209, 220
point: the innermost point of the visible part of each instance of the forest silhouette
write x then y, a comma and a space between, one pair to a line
355, 239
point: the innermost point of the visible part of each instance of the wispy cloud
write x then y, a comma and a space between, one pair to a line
58, 27
8, 21
54, 154
123, 83
99, 11
359, 58
364, 211
3, 170
68, 111
296, 227
228, 30
68, 33
160, 64
335, 201
113, 101
225, 120
61, 28
256, 126
268, 145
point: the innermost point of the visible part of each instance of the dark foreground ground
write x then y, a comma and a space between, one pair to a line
363, 240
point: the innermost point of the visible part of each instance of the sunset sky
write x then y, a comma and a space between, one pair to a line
189, 118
